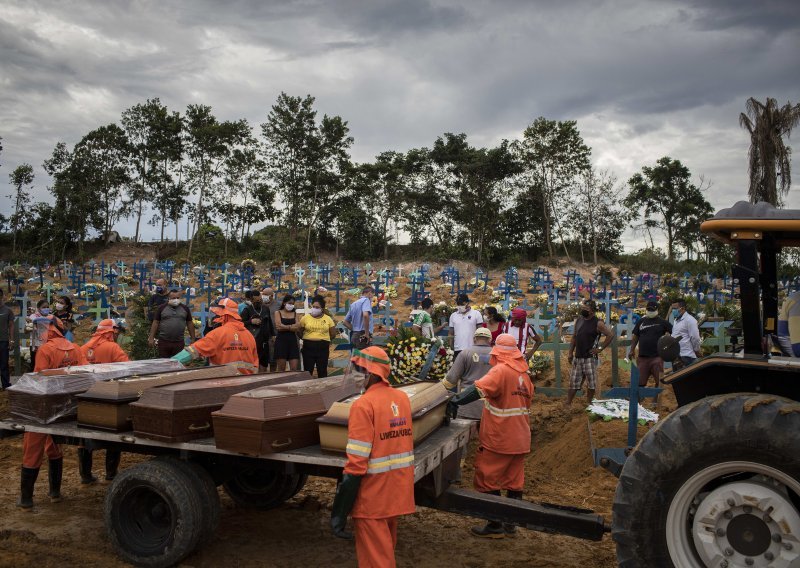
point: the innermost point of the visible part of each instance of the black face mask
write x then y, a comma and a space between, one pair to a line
585, 313
257, 304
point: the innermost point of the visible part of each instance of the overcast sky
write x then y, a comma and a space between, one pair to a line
643, 79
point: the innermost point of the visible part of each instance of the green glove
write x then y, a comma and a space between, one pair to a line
343, 503
183, 357
469, 394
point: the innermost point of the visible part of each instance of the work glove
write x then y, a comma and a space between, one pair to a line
469, 394
183, 357
343, 503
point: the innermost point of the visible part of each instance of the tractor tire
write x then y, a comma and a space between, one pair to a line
716, 483
263, 488
154, 514
205, 486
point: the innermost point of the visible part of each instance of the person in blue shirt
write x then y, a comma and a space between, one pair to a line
359, 319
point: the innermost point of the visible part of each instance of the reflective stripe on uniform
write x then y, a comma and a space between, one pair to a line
506, 412
358, 448
388, 463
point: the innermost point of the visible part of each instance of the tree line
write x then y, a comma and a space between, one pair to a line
536, 195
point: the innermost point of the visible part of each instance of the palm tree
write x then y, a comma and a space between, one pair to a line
769, 156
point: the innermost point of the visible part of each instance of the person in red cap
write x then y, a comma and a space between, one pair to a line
528, 341
55, 353
229, 342
505, 433
378, 480
102, 347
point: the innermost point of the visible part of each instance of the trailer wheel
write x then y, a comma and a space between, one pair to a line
262, 488
153, 514
717, 483
205, 486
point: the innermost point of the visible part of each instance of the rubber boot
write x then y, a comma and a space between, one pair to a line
55, 468
85, 466
511, 530
112, 463
27, 481
492, 529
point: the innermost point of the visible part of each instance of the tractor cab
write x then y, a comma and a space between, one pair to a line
759, 232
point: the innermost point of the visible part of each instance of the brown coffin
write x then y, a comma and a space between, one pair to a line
182, 412
105, 406
428, 405
277, 418
50, 396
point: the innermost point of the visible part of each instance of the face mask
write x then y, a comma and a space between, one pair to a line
159, 289
44, 311
59, 306
676, 312
462, 309
267, 298
256, 303
174, 302
316, 312
585, 313
290, 307
651, 313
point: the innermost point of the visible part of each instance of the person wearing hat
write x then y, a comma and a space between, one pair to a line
229, 342
377, 485
528, 341
55, 353
505, 433
646, 334
584, 351
471, 364
102, 347
463, 323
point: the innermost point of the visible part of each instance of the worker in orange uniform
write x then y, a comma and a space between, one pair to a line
55, 353
505, 433
229, 342
378, 480
102, 347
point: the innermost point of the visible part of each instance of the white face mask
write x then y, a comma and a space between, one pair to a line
266, 298
651, 313
174, 302
290, 307
462, 309
59, 306
316, 312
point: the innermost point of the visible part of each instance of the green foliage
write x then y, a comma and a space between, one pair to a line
139, 329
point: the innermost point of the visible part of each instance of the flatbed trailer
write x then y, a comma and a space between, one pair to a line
158, 511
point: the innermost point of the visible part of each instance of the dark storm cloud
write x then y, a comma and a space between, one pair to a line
644, 79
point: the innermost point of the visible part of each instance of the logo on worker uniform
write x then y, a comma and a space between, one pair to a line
395, 409
235, 344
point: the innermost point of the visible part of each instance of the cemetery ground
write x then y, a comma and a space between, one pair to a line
559, 470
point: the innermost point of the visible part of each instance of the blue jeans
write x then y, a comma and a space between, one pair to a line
5, 376
688, 360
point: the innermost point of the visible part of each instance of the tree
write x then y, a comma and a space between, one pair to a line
208, 144
769, 157
100, 164
166, 169
664, 196
553, 154
21, 178
386, 178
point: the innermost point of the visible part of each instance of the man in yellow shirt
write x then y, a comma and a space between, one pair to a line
318, 329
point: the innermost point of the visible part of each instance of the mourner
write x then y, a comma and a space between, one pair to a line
229, 342
160, 296
256, 317
584, 351
170, 320
55, 353
505, 433
102, 347
378, 480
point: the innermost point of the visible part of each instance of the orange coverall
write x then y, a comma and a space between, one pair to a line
505, 432
380, 447
228, 343
104, 351
56, 353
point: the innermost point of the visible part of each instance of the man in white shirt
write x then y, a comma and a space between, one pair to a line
685, 329
463, 323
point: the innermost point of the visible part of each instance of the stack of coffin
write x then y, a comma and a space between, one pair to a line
182, 412
105, 405
278, 417
50, 396
428, 406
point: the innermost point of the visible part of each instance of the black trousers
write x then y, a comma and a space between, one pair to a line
5, 375
315, 354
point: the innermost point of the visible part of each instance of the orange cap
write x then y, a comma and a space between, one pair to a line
505, 351
374, 360
227, 307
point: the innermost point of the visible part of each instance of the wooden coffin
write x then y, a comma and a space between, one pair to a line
105, 406
277, 418
182, 412
51, 395
428, 406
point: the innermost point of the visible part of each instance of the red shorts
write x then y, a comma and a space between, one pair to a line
495, 471
649, 367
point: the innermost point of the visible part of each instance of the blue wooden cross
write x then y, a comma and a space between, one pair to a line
355, 272
202, 315
608, 301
